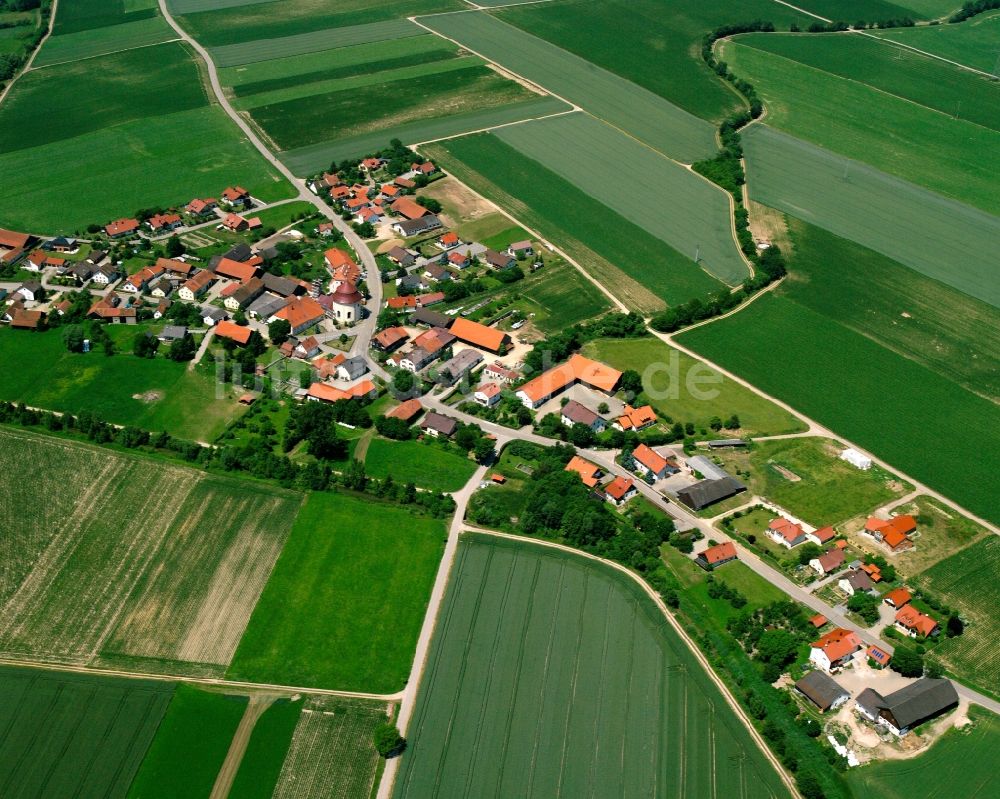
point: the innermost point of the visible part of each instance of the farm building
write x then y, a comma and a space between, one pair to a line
407, 411
902, 710
477, 335
577, 369
414, 227
716, 556
708, 492
233, 332
390, 339
822, 690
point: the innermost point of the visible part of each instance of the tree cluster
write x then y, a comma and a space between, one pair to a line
772, 635
973, 8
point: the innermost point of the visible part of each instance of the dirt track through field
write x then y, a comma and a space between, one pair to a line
231, 765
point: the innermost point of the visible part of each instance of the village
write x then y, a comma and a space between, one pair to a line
406, 333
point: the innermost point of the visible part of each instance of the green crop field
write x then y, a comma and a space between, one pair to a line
655, 46
332, 756
674, 382
72, 734
285, 18
943, 239
265, 754
672, 203
128, 560
367, 109
98, 93
874, 10
895, 71
969, 581
371, 34
99, 41
427, 465
157, 394
550, 674
961, 763
642, 270
190, 745
82, 15
827, 491
344, 605
621, 103
865, 392
563, 297
920, 318
952, 157
973, 43
311, 159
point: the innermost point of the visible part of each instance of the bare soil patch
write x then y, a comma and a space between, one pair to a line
149, 396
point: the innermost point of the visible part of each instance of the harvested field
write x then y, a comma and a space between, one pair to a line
552, 675
940, 238
173, 578
678, 207
969, 581
636, 110
332, 756
73, 734
643, 270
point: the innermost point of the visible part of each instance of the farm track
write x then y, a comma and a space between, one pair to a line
237, 748
31, 60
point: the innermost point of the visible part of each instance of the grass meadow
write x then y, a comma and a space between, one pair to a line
958, 764
952, 157
134, 562
969, 581
563, 297
541, 657
190, 745
672, 203
865, 392
918, 317
252, 21
655, 360
265, 754
973, 43
73, 734
940, 238
895, 71
619, 102
157, 394
654, 46
426, 465
368, 109
345, 602
332, 755
642, 270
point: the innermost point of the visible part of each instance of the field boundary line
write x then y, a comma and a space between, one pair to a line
110, 52
492, 128
699, 656
217, 682
53, 10
802, 11
256, 708
893, 42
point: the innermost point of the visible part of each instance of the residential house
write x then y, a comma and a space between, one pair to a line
61, 244
498, 261
577, 369
212, 316
822, 536
235, 270
301, 313
909, 707
635, 419
404, 183
447, 241
894, 533
326, 365
426, 168
436, 424
390, 339
163, 223
828, 562
401, 257
716, 555
368, 216
499, 373
574, 412
915, 624
336, 259
352, 368
106, 274
234, 223
785, 532
436, 273
389, 192
821, 689
401, 303
196, 285
198, 207
237, 196
31, 291
371, 164
327, 393
620, 490
488, 394
878, 655
459, 260
39, 260
161, 288
172, 333
835, 649
650, 463
110, 309
589, 472
121, 228
854, 581
139, 282
406, 411
521, 249
245, 294
481, 336
408, 228
459, 366
898, 598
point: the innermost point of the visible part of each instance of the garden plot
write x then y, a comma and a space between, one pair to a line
143, 559
332, 756
674, 204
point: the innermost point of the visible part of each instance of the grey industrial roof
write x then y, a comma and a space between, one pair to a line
708, 469
911, 705
821, 688
704, 493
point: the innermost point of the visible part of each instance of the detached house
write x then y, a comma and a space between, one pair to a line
244, 294
121, 228
648, 462
199, 207
521, 249
894, 533
236, 196
161, 223
498, 261
915, 624
788, 534
854, 581
575, 413
716, 556
835, 649
828, 562
589, 472
620, 490
196, 285
488, 395
822, 536
435, 425
635, 419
